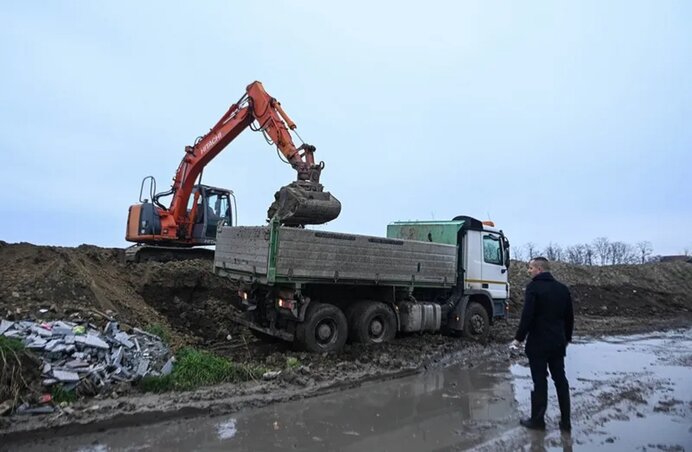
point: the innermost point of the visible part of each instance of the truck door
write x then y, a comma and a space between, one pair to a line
493, 269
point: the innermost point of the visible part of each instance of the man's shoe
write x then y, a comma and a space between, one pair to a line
534, 425
565, 427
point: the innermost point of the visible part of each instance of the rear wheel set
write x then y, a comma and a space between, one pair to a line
372, 323
326, 327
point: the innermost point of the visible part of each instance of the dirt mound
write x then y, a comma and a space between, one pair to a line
64, 280
190, 296
623, 290
91, 283
195, 306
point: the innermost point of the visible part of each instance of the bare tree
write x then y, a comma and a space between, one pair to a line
553, 252
518, 252
601, 247
600, 251
575, 254
645, 250
588, 254
622, 253
580, 254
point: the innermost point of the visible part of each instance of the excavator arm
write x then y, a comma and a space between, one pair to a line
302, 202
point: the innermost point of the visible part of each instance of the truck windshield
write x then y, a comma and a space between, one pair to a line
492, 249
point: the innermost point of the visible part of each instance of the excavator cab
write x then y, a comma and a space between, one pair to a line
212, 209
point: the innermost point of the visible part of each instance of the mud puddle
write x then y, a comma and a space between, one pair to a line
628, 393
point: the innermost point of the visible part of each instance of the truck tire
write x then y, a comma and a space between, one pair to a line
372, 323
324, 330
476, 322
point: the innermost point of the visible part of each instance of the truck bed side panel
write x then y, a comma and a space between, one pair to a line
304, 254
242, 249
307, 254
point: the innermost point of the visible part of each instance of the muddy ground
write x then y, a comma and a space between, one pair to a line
630, 397
195, 307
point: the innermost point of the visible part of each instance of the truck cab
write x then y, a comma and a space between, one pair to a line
483, 254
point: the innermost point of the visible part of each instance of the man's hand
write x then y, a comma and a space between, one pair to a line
514, 346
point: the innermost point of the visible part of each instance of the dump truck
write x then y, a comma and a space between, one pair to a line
319, 289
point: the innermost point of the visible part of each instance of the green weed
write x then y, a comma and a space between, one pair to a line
195, 368
8, 344
60, 395
292, 362
159, 330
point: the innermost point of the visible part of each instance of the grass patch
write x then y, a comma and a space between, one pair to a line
292, 362
60, 395
195, 368
19, 370
9, 344
159, 330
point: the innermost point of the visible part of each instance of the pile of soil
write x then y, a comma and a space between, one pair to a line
195, 306
636, 291
95, 284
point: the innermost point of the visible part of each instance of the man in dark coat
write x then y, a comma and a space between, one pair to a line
548, 320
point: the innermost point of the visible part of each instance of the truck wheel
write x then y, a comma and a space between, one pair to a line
324, 329
476, 323
372, 323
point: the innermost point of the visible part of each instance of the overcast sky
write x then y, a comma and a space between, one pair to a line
560, 121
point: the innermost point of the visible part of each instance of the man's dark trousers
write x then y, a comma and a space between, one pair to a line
539, 364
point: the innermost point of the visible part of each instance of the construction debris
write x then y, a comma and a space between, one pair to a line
79, 355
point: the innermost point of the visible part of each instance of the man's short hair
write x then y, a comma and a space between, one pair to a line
542, 263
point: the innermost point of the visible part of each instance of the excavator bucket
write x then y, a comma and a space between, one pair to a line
298, 204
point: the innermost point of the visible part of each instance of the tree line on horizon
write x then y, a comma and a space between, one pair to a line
600, 251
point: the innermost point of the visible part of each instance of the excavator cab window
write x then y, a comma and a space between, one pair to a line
212, 208
217, 209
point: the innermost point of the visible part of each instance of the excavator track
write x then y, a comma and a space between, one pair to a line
149, 253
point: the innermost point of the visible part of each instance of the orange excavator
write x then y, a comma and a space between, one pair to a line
191, 219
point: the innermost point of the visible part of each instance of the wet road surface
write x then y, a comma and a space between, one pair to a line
628, 393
